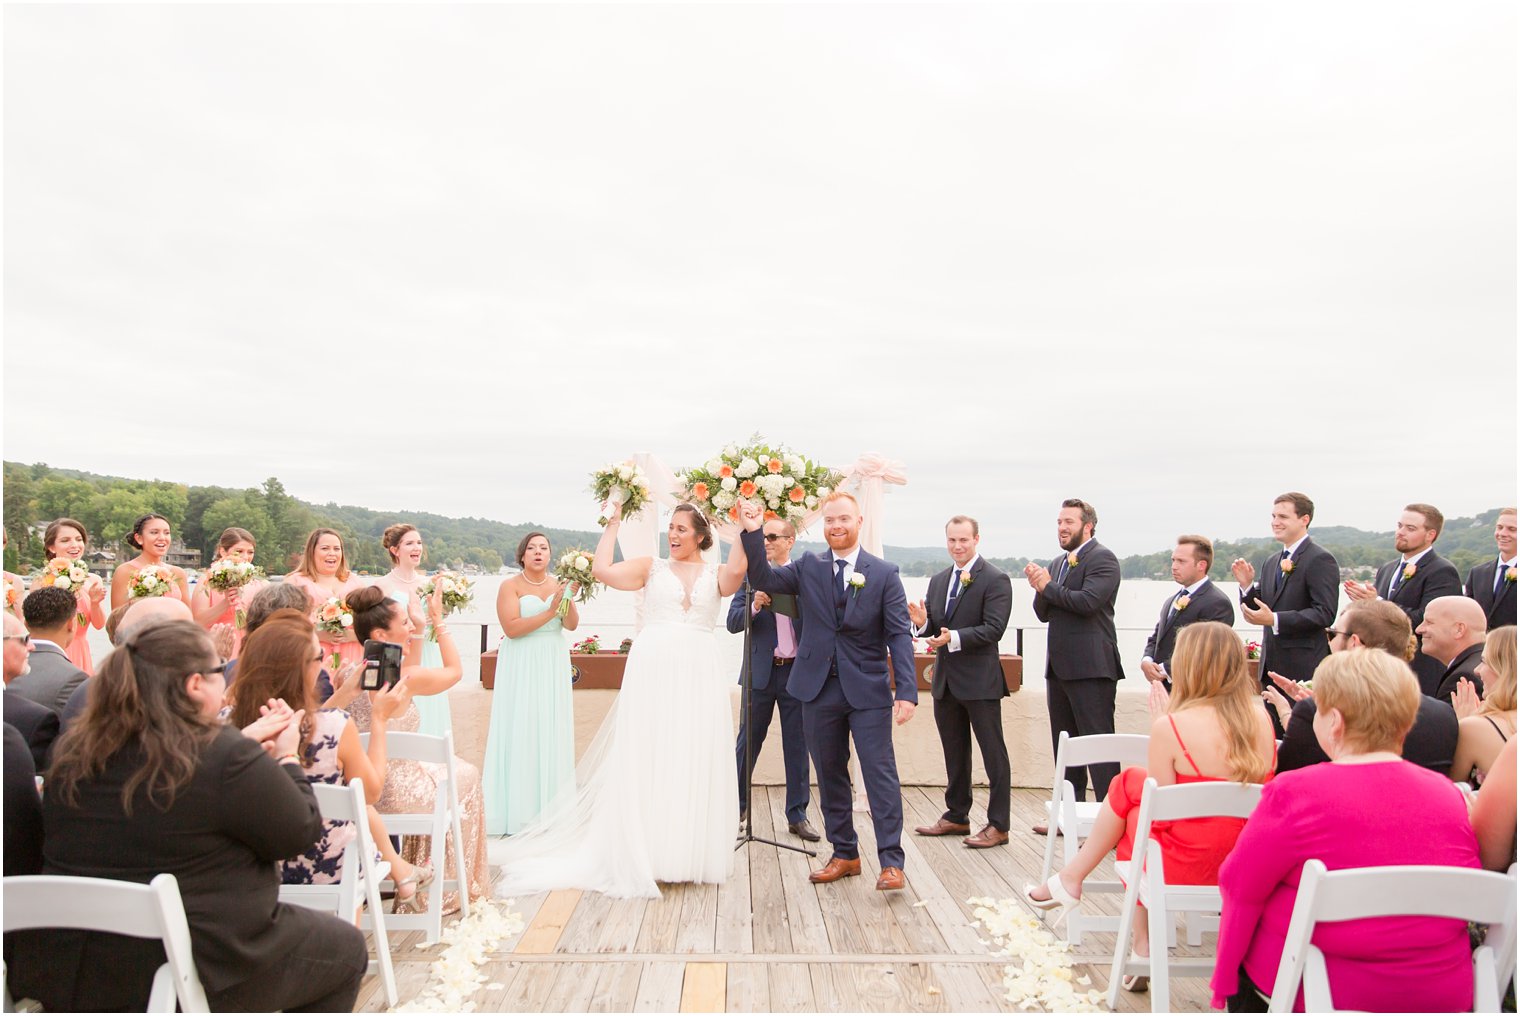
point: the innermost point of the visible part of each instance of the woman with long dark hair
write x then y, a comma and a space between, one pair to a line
152, 536
148, 780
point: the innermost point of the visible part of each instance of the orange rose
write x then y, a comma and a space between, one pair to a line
774, 465
329, 611
725, 471
699, 491
797, 495
747, 488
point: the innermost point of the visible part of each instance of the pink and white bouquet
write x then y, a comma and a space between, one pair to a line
226, 575
64, 573
334, 617
623, 483
458, 593
152, 580
785, 484
574, 566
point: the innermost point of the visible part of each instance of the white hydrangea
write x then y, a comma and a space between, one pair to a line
812, 502
723, 500
713, 465
731, 452
773, 503
746, 468
824, 491
788, 479
795, 464
795, 511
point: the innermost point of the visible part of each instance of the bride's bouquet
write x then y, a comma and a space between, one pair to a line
624, 484
226, 575
786, 484
574, 566
458, 593
152, 580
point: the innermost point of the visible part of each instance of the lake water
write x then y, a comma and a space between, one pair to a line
610, 616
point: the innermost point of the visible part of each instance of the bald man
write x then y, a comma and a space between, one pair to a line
140, 616
150, 613
1453, 631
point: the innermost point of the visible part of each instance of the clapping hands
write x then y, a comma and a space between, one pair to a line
1038, 577
1244, 572
1159, 701
278, 728
1465, 699
1360, 590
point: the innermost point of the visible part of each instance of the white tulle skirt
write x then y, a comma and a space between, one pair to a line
656, 799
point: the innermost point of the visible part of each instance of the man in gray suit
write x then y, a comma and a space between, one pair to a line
50, 678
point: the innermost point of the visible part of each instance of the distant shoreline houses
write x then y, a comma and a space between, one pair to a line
103, 560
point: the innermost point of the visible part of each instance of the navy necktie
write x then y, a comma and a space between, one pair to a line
1062, 569
1398, 579
955, 590
1282, 576
839, 587
1499, 571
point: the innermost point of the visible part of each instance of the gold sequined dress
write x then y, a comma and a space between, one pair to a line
410, 788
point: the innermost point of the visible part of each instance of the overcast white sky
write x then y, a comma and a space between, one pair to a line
1174, 258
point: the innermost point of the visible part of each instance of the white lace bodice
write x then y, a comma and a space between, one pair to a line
665, 597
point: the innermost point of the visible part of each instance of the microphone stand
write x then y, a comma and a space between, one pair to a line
746, 683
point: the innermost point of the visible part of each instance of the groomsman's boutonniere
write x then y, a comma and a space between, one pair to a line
965, 579
857, 582
1409, 570
1286, 565
1071, 559
1509, 574
1181, 602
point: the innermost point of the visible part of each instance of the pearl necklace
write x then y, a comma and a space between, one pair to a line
530, 582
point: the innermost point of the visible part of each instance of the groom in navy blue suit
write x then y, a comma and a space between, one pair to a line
854, 611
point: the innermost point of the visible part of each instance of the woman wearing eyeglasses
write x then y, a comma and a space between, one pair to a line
147, 780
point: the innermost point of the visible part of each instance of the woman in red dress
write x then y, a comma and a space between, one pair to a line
1211, 728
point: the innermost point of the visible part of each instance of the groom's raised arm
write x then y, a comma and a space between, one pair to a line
894, 617
761, 575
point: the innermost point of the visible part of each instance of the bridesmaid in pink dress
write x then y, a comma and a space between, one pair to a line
323, 573
211, 607
15, 590
67, 539
151, 535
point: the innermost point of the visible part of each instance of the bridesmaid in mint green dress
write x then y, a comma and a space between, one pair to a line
530, 749
404, 544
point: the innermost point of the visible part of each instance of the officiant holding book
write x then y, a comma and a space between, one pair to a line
775, 632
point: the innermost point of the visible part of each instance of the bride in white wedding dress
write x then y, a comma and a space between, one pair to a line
655, 799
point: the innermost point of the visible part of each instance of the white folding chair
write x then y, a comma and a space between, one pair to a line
154, 910
1146, 885
438, 824
360, 871
1466, 894
1065, 814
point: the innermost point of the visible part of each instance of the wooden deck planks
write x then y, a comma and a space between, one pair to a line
770, 941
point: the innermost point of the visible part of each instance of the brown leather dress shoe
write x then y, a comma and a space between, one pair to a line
836, 869
944, 827
990, 836
805, 830
891, 878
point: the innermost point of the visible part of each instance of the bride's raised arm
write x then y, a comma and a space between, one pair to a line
627, 575
731, 575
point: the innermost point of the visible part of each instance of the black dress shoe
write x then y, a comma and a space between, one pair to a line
804, 831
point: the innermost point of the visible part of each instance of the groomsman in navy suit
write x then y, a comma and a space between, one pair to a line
1413, 580
1293, 597
773, 649
855, 612
1492, 583
1197, 600
964, 617
1075, 596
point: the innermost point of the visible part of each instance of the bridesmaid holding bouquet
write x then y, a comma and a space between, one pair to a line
323, 574
530, 749
211, 607
404, 544
152, 537
66, 539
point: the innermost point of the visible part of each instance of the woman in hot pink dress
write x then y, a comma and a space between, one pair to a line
67, 539
323, 573
152, 536
1365, 808
211, 607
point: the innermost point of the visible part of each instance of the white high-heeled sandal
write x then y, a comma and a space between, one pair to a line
1136, 982
1059, 898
